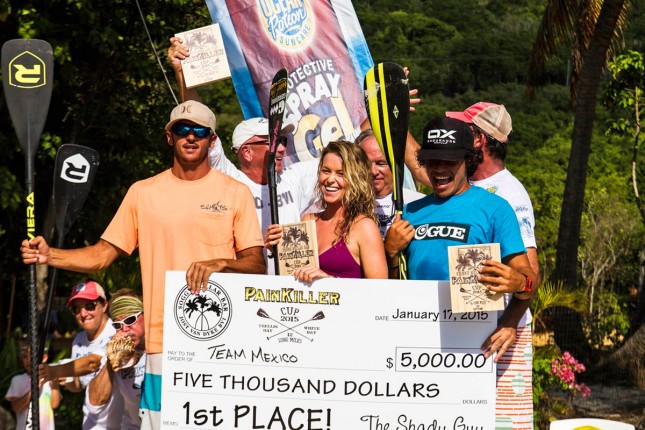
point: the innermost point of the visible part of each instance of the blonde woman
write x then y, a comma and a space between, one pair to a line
349, 242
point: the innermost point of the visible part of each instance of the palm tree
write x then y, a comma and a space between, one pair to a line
592, 25
554, 294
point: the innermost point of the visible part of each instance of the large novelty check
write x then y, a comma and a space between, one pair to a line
268, 352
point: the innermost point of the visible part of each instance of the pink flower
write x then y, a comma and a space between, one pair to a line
584, 390
565, 370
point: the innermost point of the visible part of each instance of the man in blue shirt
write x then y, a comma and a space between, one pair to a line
456, 213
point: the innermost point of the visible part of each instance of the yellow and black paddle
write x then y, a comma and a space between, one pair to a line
387, 99
27, 75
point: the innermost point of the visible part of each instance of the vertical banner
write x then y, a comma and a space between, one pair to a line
269, 352
322, 46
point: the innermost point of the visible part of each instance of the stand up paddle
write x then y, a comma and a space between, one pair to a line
27, 75
74, 173
277, 105
387, 99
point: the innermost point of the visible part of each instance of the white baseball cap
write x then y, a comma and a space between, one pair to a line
492, 118
254, 127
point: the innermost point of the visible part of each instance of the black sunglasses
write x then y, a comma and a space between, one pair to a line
181, 129
126, 321
89, 306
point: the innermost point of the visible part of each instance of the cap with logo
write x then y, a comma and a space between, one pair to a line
194, 111
254, 127
493, 119
89, 290
446, 139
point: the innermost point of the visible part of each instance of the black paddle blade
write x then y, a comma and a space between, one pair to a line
319, 315
387, 99
277, 106
74, 173
27, 78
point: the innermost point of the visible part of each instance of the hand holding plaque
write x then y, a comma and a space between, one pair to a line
207, 61
298, 247
466, 294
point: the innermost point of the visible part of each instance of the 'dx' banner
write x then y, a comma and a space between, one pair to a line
322, 46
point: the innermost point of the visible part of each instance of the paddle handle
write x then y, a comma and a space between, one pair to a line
33, 312
273, 203
53, 280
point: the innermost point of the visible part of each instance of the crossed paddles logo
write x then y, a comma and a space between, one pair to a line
203, 316
289, 330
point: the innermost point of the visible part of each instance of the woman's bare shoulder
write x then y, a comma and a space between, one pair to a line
308, 216
364, 225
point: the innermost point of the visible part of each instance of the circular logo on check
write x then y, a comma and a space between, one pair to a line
204, 316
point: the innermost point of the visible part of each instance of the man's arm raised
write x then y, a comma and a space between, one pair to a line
419, 173
177, 52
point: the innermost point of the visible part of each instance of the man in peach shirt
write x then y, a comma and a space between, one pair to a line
189, 217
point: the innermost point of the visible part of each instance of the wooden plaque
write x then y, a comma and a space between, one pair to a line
466, 294
207, 62
298, 246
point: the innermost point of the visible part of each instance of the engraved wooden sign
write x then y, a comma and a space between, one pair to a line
207, 62
298, 246
466, 294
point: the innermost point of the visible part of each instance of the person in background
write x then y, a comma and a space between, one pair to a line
294, 184
349, 243
19, 395
126, 311
89, 305
382, 181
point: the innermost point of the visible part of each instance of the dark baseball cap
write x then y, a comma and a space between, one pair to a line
446, 139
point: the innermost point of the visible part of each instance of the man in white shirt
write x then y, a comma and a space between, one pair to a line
492, 126
294, 184
382, 181
124, 380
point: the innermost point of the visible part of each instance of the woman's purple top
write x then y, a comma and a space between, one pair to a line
337, 261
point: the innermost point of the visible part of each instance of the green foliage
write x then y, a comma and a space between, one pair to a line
454, 45
555, 386
10, 364
612, 235
550, 295
625, 87
546, 406
69, 414
607, 327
